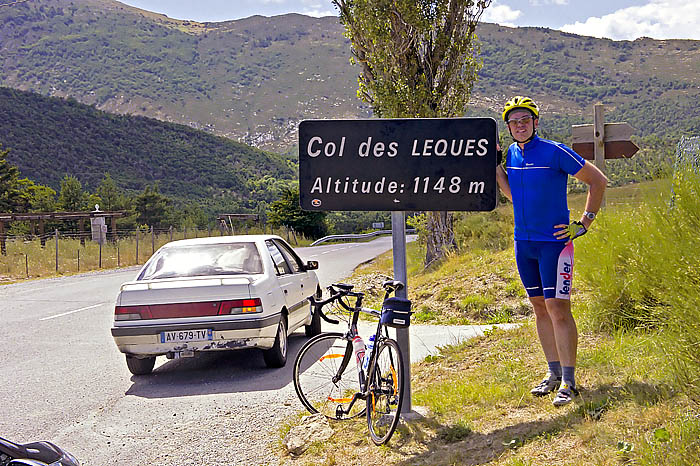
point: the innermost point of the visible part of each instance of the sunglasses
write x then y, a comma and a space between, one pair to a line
522, 120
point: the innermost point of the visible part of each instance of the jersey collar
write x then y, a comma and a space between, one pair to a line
532, 142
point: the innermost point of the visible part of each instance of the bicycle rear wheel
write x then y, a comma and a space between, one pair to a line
385, 392
325, 377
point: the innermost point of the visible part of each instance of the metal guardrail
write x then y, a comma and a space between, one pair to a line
356, 236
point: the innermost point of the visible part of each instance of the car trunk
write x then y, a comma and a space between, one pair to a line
179, 298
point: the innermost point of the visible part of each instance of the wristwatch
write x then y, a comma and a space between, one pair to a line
589, 215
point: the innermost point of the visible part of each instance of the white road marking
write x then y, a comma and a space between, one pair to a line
72, 312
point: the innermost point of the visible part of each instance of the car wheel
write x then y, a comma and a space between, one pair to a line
277, 355
314, 328
140, 366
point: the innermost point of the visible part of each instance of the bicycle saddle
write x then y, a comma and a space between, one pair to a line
344, 286
395, 284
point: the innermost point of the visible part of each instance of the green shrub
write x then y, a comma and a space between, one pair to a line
642, 270
475, 303
485, 230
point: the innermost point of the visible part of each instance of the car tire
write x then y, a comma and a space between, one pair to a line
314, 328
277, 355
140, 366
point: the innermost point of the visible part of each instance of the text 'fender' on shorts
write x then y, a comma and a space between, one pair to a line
565, 272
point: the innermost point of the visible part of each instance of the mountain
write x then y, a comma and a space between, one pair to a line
50, 137
254, 79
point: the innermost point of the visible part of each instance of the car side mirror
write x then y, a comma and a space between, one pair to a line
312, 265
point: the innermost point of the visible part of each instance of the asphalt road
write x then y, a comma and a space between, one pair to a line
64, 380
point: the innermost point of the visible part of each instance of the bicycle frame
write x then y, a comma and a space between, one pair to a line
365, 381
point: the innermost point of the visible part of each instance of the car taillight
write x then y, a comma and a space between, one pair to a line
131, 312
241, 306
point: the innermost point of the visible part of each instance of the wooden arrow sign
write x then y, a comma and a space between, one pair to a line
616, 138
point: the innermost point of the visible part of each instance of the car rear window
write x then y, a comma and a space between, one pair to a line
204, 259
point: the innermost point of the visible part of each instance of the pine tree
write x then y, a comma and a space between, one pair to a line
11, 199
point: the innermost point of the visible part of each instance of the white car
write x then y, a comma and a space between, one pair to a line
212, 294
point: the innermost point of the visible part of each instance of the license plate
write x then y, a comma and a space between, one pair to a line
187, 335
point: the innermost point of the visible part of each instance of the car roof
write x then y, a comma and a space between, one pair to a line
221, 240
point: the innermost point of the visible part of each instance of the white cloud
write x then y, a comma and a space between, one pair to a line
317, 8
659, 19
501, 14
319, 13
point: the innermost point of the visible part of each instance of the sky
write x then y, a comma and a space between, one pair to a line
612, 19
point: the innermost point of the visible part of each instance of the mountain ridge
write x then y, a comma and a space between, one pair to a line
255, 79
49, 137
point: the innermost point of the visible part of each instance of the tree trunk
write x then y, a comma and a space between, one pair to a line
441, 236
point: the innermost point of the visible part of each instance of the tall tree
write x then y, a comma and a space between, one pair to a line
152, 207
112, 198
22, 194
72, 198
419, 59
10, 191
287, 211
37, 198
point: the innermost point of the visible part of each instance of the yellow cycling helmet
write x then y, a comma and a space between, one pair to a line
520, 102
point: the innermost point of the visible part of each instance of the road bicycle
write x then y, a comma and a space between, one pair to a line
327, 381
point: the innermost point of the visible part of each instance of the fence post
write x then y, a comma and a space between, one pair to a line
184, 234
3, 247
100, 261
118, 265
78, 260
171, 233
153, 241
56, 235
81, 233
26, 264
137, 246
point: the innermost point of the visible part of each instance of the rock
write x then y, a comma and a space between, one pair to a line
312, 429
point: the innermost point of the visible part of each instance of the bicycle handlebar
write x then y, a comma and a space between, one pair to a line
318, 305
339, 290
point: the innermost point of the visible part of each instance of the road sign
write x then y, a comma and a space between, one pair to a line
616, 138
398, 164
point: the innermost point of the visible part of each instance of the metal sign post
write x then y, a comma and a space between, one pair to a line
398, 165
398, 240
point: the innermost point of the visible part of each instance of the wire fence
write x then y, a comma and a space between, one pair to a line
64, 252
687, 157
688, 152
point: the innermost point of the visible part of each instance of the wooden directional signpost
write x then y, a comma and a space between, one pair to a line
398, 165
601, 140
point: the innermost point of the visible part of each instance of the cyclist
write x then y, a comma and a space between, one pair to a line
535, 180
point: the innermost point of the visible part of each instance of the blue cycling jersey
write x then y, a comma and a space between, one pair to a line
537, 176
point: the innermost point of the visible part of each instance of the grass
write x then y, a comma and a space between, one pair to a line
481, 412
634, 408
30, 260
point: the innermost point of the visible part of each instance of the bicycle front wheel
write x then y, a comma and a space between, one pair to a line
326, 379
385, 392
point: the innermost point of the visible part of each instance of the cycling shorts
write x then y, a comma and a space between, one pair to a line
546, 267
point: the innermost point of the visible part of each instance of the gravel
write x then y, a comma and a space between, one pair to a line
172, 418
